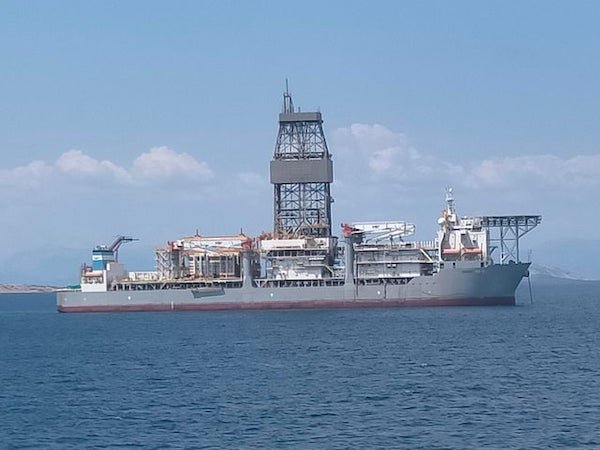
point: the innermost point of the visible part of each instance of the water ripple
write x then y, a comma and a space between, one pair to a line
441, 378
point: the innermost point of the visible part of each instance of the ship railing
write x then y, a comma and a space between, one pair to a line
283, 283
424, 245
416, 260
411, 245
143, 276
371, 275
381, 280
92, 280
128, 285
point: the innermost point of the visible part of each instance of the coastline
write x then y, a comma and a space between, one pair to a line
25, 288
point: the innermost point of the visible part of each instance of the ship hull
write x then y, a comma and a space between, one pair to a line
462, 285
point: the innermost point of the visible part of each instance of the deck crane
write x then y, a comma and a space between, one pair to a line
375, 232
114, 247
103, 254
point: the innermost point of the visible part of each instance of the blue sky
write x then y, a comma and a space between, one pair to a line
159, 118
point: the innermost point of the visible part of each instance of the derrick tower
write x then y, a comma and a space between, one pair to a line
301, 174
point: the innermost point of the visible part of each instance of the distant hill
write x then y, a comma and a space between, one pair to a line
59, 266
570, 258
541, 271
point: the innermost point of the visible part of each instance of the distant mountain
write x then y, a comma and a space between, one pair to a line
59, 266
539, 270
573, 259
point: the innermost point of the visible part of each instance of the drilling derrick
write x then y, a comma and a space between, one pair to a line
301, 174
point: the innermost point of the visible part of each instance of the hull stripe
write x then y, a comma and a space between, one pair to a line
300, 304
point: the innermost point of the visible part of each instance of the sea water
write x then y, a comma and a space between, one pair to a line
431, 378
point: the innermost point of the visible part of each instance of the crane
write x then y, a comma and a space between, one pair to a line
378, 231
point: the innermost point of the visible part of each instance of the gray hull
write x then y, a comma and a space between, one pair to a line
452, 286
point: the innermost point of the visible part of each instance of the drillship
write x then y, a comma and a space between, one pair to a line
301, 264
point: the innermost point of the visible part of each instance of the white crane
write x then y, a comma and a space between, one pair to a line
378, 231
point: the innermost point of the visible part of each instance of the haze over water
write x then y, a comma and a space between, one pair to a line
489, 377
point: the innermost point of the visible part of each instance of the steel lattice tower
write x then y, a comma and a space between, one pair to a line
301, 173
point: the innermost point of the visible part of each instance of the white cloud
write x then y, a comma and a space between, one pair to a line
388, 157
378, 174
75, 162
367, 154
373, 145
251, 180
162, 162
154, 166
365, 136
32, 175
541, 170
383, 160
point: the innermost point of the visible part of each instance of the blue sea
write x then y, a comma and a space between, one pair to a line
525, 377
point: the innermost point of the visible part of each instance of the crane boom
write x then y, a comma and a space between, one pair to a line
114, 247
378, 231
